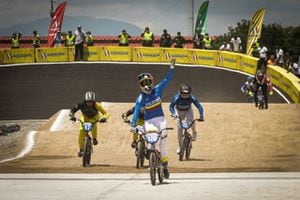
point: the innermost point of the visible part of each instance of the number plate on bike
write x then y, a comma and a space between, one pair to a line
152, 138
185, 124
87, 126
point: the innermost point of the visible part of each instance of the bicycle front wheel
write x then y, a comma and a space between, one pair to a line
87, 150
140, 154
152, 165
182, 148
188, 149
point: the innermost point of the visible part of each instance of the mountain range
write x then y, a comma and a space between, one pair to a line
107, 27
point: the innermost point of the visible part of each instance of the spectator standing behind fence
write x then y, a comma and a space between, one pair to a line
225, 46
58, 40
148, 38
69, 39
79, 42
255, 47
179, 41
207, 41
272, 60
165, 39
123, 39
198, 39
36, 39
262, 62
236, 44
15, 40
279, 57
89, 40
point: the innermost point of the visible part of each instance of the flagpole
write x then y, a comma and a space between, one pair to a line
193, 16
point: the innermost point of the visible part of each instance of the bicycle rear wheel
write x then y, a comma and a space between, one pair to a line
140, 154
160, 169
152, 164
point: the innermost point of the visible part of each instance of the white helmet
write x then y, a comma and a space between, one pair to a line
146, 82
90, 96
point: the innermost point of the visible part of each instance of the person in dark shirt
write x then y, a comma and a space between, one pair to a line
165, 39
179, 41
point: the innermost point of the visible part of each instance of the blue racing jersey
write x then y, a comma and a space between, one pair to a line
151, 102
184, 104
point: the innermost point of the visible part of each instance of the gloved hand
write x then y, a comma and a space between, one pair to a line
133, 129
102, 120
72, 118
173, 60
174, 116
201, 119
271, 93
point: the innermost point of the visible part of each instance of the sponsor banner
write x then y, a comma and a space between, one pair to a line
204, 57
59, 54
285, 81
181, 55
201, 18
116, 53
228, 60
11, 56
91, 53
1, 56
71, 53
248, 64
147, 54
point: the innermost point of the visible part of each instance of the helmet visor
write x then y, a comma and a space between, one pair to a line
146, 82
185, 95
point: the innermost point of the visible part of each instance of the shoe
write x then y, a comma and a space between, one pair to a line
166, 173
194, 136
95, 141
80, 153
133, 144
178, 150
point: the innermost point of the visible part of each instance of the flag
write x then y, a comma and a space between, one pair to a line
255, 27
56, 22
201, 18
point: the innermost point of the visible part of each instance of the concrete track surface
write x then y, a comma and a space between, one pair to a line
235, 137
205, 186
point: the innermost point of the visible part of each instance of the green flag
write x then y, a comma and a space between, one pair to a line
201, 18
255, 27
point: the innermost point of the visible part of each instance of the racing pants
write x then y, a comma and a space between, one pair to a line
82, 132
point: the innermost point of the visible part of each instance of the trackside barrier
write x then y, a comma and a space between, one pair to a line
11, 56
287, 82
116, 53
281, 79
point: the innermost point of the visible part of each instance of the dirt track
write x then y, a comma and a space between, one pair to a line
228, 141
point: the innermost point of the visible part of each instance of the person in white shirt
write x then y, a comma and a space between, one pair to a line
262, 62
225, 47
236, 43
279, 57
79, 42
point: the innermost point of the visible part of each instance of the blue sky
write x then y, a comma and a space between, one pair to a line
175, 15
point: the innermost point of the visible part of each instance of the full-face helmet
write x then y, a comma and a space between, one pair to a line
146, 82
185, 91
90, 96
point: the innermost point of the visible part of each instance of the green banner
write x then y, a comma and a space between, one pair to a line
201, 18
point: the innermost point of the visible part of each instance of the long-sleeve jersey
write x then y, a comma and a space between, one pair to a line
151, 102
89, 111
264, 82
248, 85
185, 104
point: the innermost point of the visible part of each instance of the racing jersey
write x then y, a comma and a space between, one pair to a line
89, 111
151, 102
184, 104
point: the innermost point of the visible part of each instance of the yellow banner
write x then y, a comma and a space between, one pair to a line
11, 56
287, 82
59, 54
116, 53
1, 56
181, 55
91, 53
146, 54
255, 29
248, 64
71, 53
228, 60
203, 57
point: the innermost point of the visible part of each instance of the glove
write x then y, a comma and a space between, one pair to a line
72, 118
133, 129
173, 60
201, 119
271, 93
102, 120
174, 116
124, 117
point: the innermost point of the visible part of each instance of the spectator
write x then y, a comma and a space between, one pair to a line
89, 40
79, 42
15, 40
123, 38
287, 61
236, 43
225, 47
69, 39
36, 39
165, 39
262, 62
279, 57
179, 41
207, 41
148, 38
198, 39
272, 60
255, 47
58, 40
